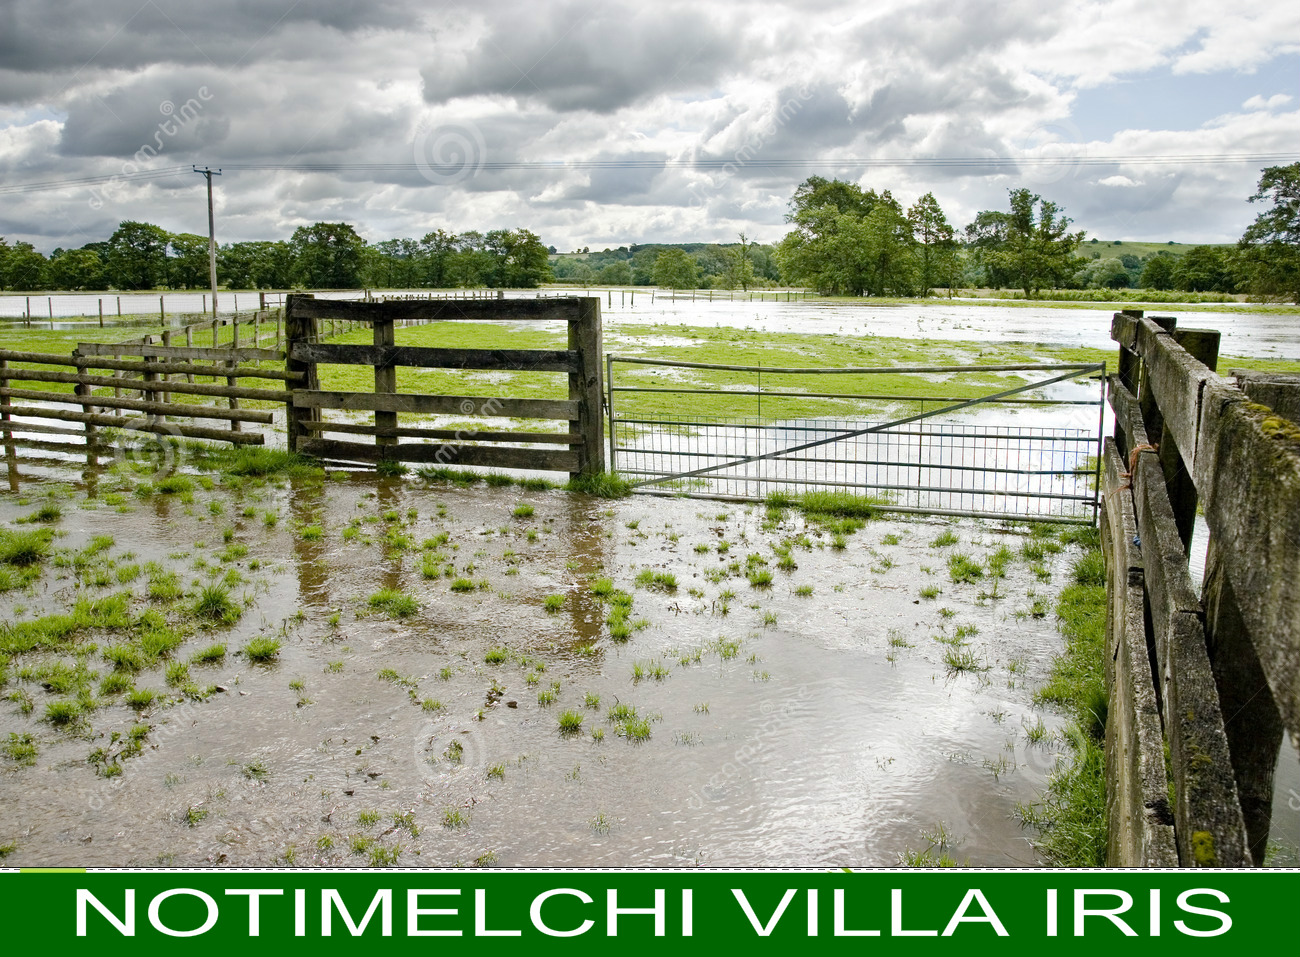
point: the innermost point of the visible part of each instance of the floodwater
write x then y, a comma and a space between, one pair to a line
822, 728
1245, 333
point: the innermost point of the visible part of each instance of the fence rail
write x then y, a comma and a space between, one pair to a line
583, 440
1216, 677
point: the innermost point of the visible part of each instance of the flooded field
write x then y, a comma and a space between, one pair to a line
358, 670
1246, 332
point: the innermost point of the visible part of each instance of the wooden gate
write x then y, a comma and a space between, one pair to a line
579, 450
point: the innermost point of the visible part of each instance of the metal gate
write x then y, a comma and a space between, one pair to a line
937, 454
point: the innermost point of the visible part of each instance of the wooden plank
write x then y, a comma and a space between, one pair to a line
1251, 718
1123, 328
183, 411
1279, 391
362, 428
488, 456
1127, 413
1210, 829
126, 365
10, 426
183, 388
1140, 823
180, 352
1176, 381
1248, 472
146, 424
466, 405
387, 355
555, 309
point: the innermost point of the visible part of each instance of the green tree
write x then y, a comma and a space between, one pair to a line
255, 265
675, 269
1203, 269
984, 238
1158, 272
1038, 248
519, 259
327, 256
936, 249
21, 266
137, 256
75, 269
187, 266
1104, 274
888, 250
1270, 247
617, 274
436, 251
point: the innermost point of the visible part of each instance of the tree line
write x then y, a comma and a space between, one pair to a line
321, 256
848, 240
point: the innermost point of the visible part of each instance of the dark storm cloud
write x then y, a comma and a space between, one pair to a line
589, 56
44, 37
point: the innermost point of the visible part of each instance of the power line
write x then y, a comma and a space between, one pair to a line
1051, 155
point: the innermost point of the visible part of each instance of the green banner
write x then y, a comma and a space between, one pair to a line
672, 912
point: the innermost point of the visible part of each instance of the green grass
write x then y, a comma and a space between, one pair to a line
393, 603
652, 580
570, 722
214, 604
1072, 813
964, 569
600, 485
262, 649
20, 748
497, 656
210, 655
553, 603
523, 510
24, 548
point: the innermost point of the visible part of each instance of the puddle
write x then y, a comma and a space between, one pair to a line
814, 723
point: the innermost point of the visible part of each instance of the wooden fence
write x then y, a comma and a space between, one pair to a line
1215, 678
583, 444
151, 381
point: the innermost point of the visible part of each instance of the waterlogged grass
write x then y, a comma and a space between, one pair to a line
393, 603
1072, 813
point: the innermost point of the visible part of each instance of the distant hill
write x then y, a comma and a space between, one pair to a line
1116, 248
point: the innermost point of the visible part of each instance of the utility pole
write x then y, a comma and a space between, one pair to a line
208, 173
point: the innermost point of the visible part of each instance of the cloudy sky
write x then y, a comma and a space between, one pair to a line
609, 122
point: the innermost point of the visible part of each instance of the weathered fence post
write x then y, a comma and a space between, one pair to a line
385, 382
298, 328
586, 387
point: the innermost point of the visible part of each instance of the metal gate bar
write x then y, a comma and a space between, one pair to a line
922, 462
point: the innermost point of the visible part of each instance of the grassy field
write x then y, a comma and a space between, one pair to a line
716, 345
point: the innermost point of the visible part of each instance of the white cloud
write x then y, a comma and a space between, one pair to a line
605, 80
1258, 102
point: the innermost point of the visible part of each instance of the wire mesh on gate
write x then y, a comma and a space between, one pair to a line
970, 468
